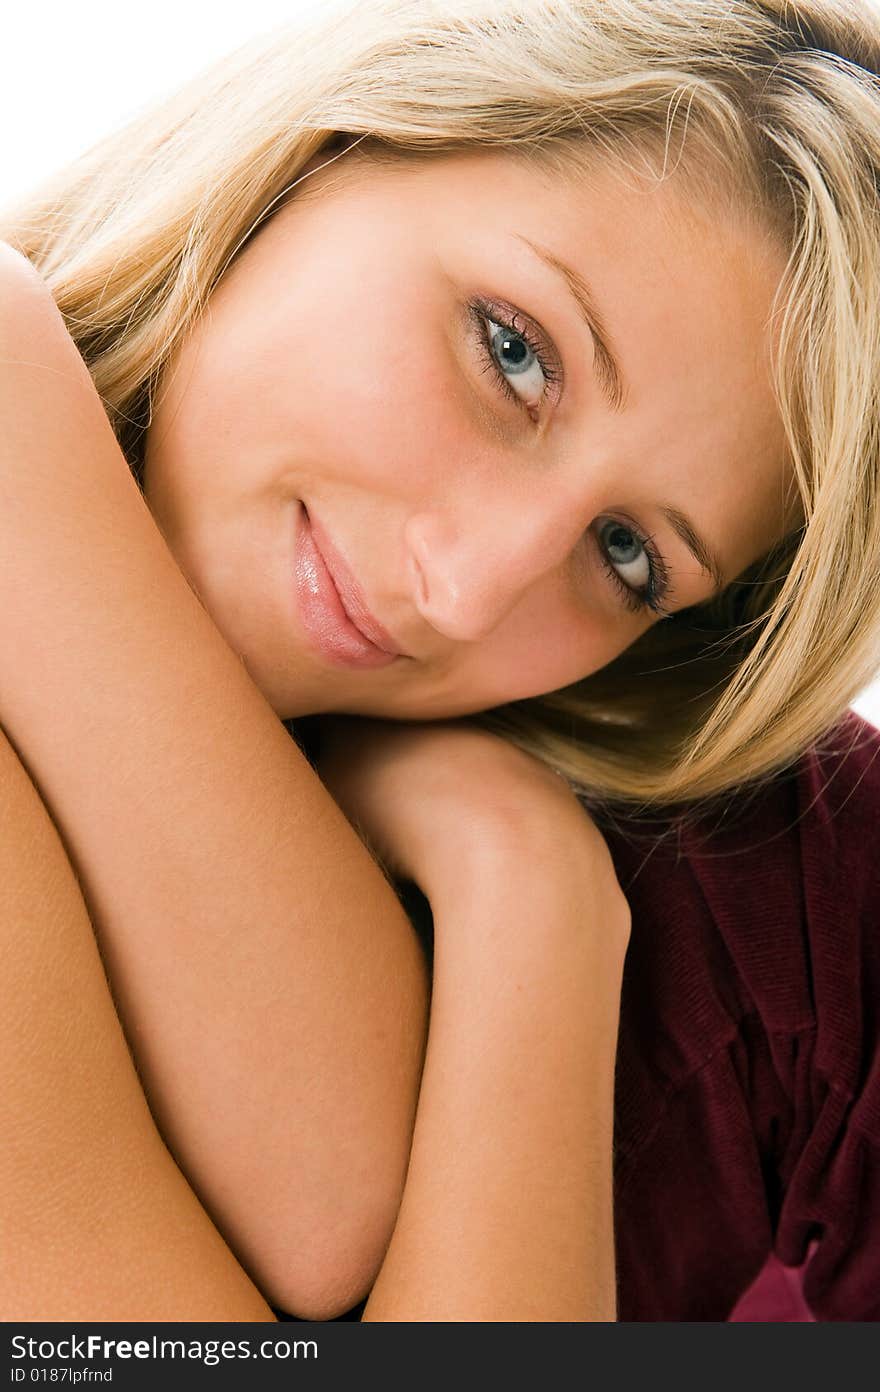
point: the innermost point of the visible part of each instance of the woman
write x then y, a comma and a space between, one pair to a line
638, 436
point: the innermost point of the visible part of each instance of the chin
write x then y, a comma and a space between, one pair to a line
413, 711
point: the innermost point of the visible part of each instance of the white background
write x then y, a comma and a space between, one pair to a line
71, 72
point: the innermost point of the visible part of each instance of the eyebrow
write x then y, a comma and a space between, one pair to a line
611, 382
703, 555
607, 366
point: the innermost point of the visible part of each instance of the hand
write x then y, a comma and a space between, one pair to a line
436, 799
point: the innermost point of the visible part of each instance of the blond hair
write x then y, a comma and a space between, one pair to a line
784, 97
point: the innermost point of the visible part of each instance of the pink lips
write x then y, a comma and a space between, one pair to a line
331, 605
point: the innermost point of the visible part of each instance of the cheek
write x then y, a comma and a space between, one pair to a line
215, 419
541, 647
376, 408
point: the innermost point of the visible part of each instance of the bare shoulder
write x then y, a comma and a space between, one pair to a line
23, 292
29, 316
36, 349
13, 263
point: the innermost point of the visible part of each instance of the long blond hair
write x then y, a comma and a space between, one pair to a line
784, 97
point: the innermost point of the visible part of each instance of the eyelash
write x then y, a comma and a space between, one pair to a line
658, 587
481, 310
506, 318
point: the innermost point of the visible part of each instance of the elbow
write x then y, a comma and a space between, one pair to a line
316, 1296
319, 1289
322, 1268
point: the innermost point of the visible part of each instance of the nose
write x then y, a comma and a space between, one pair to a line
469, 569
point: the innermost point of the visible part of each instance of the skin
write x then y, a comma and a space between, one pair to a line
337, 365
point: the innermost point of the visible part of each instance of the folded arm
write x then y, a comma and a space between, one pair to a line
508, 1208
507, 1212
270, 986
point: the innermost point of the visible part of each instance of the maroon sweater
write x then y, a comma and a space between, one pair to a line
748, 1074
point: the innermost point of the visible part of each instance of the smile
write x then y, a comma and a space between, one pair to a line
339, 626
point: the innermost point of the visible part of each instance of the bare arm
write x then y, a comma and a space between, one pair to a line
507, 1212
267, 978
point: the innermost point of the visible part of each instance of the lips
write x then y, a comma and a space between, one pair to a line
331, 603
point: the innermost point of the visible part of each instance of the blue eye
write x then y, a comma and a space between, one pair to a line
635, 566
516, 353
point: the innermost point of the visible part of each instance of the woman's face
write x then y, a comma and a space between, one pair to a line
397, 426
